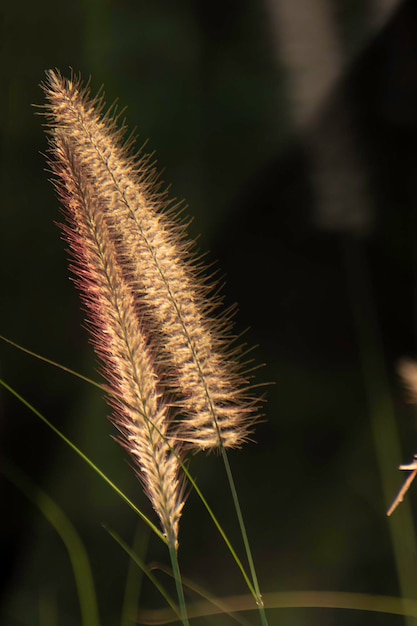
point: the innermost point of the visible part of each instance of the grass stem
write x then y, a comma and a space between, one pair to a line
173, 553
258, 596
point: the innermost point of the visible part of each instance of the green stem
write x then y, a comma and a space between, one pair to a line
178, 582
219, 528
258, 596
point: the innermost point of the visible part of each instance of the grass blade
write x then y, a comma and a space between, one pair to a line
85, 458
76, 550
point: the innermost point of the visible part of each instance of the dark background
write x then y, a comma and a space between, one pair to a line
326, 287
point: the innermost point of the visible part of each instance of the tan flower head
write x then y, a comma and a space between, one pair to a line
174, 375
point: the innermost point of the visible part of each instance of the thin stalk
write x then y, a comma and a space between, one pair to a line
54, 364
220, 529
258, 596
178, 582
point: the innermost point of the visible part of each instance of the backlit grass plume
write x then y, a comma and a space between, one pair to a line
174, 377
140, 411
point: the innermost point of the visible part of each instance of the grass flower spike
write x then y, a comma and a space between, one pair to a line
140, 412
199, 368
174, 379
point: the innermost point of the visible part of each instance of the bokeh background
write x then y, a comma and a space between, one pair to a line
289, 128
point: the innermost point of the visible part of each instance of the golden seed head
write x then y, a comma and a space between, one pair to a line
155, 325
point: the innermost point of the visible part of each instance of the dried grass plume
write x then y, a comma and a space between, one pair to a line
174, 375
